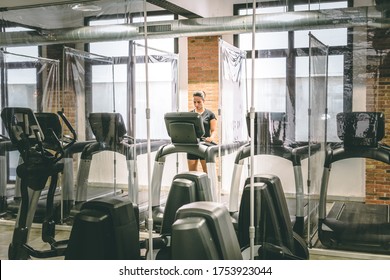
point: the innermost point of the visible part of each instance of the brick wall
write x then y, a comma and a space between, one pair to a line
377, 173
66, 99
203, 71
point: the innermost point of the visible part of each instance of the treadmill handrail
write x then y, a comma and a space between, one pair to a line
225, 148
379, 153
293, 154
141, 147
123, 148
76, 148
280, 151
203, 149
195, 149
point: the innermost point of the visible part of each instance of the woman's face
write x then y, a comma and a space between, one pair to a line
198, 103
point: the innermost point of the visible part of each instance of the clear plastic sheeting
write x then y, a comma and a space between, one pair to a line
88, 76
274, 132
115, 88
31, 82
97, 81
163, 89
317, 120
26, 81
233, 101
162, 85
233, 107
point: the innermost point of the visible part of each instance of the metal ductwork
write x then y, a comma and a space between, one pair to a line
347, 17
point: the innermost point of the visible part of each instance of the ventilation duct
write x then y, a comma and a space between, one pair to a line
348, 17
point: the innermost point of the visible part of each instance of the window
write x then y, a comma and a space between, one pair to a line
19, 86
116, 82
160, 75
282, 82
20, 82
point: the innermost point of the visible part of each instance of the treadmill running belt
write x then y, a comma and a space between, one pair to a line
358, 223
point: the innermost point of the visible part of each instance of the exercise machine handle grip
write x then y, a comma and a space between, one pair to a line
73, 139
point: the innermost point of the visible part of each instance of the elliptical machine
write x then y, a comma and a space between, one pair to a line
39, 164
106, 228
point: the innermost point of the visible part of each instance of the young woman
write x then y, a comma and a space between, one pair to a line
210, 127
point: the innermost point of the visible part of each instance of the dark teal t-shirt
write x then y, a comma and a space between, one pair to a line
207, 116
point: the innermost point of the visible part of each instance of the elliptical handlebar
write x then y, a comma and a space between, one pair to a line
59, 144
73, 139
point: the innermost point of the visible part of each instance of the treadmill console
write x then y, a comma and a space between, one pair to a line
184, 127
108, 128
270, 128
360, 128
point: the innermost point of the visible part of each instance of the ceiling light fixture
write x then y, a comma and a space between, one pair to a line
86, 7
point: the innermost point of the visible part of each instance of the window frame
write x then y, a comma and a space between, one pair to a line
4, 93
118, 61
291, 53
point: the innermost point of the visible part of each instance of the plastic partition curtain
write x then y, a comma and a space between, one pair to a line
31, 82
318, 93
233, 101
163, 89
95, 84
89, 79
108, 84
233, 104
28, 81
163, 98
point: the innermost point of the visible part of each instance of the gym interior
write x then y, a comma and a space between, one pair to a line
96, 121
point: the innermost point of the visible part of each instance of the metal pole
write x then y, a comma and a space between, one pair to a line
252, 147
149, 168
114, 110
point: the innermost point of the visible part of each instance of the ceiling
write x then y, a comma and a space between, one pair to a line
55, 14
175, 6
58, 14
12, 4
27, 4
52, 14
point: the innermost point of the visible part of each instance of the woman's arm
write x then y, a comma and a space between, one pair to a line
213, 131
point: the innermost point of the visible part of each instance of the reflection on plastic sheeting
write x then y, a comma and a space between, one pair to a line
360, 128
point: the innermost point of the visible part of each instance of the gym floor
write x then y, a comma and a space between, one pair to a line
6, 231
63, 232
7, 223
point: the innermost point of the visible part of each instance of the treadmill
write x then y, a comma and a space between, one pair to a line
186, 131
270, 139
354, 225
110, 133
